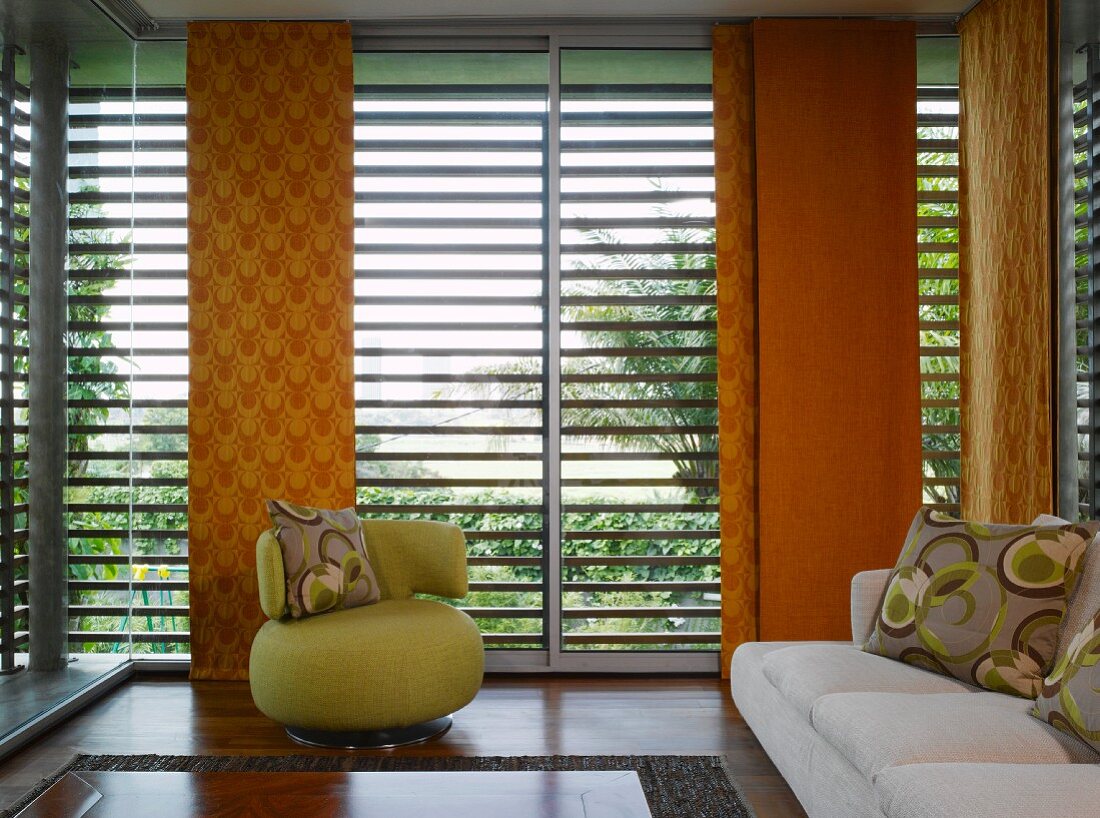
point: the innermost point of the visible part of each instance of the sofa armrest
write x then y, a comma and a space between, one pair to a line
417, 557
868, 588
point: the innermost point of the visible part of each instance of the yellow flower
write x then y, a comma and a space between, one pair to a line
163, 572
140, 571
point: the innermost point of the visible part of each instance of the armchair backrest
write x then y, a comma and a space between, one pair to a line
408, 557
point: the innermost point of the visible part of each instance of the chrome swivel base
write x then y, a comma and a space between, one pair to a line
371, 739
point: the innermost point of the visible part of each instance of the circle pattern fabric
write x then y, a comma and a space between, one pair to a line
980, 602
324, 557
1070, 699
271, 406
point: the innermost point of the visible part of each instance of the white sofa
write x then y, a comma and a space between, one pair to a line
860, 735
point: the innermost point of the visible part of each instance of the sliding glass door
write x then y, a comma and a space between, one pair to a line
535, 318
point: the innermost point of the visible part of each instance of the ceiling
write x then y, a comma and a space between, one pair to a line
527, 9
1080, 22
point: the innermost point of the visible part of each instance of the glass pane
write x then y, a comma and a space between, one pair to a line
128, 356
449, 320
938, 282
639, 397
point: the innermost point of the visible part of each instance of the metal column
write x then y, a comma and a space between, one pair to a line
47, 362
1067, 484
7, 376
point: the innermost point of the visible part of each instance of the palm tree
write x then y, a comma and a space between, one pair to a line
681, 376
686, 374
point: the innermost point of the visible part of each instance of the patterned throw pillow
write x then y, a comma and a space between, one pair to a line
1070, 699
324, 557
980, 602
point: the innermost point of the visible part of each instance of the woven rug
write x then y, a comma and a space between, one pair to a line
675, 786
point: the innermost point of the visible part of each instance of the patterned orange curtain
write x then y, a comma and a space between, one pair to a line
270, 242
1006, 260
735, 201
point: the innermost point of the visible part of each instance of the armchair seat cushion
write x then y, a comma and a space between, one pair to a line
393, 664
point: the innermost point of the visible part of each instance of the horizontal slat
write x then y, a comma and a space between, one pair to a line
504, 613
432, 377
139, 637
512, 638
121, 508
654, 587
677, 457
531, 587
448, 430
137, 611
457, 457
436, 352
639, 326
617, 431
126, 585
87, 119
641, 377
408, 509
619, 638
669, 612
929, 120
616, 535
504, 403
441, 483
148, 561
937, 196
176, 535
647, 560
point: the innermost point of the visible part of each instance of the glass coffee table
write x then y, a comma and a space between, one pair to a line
375, 794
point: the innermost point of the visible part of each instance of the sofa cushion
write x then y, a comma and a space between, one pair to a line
1070, 699
324, 558
980, 602
822, 779
805, 673
987, 790
879, 730
1084, 597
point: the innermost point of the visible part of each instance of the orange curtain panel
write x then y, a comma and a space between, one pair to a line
839, 386
735, 201
1006, 260
270, 245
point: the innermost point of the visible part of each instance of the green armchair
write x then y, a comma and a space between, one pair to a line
381, 675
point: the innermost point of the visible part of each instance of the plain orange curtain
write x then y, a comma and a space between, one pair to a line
270, 199
839, 389
1006, 261
735, 220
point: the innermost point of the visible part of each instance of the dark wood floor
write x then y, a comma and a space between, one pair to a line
511, 716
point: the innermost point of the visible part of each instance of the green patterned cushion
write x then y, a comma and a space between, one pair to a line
980, 602
324, 557
1070, 699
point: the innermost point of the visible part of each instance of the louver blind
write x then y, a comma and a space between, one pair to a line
450, 315
127, 379
470, 305
14, 228
1086, 110
938, 268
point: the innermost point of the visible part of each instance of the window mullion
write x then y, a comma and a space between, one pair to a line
552, 599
